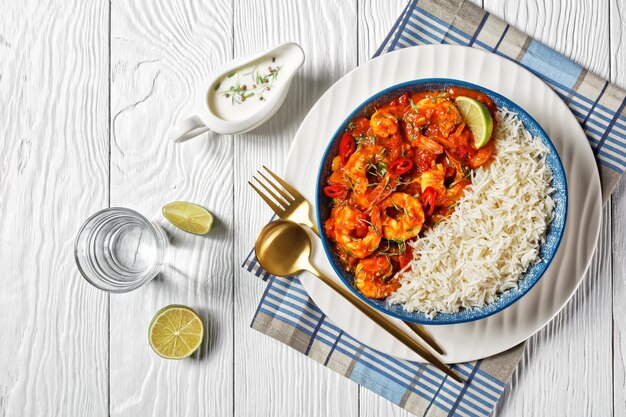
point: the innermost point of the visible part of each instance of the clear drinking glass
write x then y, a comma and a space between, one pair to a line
119, 250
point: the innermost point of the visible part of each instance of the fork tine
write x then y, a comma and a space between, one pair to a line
269, 202
279, 200
286, 186
286, 196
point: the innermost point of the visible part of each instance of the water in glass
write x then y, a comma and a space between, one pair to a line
118, 250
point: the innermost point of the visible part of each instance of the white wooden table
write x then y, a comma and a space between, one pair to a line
88, 90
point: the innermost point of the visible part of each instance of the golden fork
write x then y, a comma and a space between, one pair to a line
292, 206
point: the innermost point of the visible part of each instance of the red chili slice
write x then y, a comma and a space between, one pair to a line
400, 166
429, 196
346, 147
335, 191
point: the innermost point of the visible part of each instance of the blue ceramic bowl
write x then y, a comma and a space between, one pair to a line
547, 250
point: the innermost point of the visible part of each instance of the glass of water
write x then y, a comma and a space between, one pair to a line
119, 250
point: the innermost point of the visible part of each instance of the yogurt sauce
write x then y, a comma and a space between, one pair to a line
242, 92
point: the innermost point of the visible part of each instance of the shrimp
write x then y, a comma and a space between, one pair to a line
403, 217
414, 124
422, 127
454, 193
353, 232
384, 123
359, 164
428, 144
445, 196
483, 155
372, 277
440, 111
376, 193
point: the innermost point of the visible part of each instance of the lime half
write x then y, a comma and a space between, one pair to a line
189, 217
477, 118
175, 332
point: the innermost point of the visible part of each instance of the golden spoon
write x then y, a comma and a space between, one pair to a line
283, 249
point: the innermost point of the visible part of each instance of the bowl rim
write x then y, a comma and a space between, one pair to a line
441, 318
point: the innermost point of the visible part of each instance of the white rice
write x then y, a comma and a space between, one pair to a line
492, 237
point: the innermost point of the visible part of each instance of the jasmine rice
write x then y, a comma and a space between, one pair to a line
493, 236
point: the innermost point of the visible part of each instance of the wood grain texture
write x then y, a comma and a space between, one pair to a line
61, 142
161, 51
618, 302
618, 75
375, 20
271, 379
53, 156
567, 366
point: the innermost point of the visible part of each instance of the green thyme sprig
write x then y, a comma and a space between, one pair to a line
259, 83
378, 169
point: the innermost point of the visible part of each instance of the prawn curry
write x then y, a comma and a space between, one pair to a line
396, 173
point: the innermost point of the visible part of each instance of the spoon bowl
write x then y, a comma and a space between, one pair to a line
283, 248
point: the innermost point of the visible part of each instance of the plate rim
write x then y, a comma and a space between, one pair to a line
595, 206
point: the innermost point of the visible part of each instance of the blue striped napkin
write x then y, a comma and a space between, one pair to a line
286, 312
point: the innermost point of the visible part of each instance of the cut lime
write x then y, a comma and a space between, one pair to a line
175, 332
477, 118
189, 217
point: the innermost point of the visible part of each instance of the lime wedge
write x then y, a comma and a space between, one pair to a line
189, 217
175, 332
477, 118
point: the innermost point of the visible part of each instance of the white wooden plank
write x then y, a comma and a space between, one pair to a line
618, 75
619, 295
53, 174
270, 378
53, 76
567, 366
161, 51
376, 17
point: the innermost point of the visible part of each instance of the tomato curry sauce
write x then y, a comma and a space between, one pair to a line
397, 172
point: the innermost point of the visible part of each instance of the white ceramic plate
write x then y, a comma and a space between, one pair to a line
494, 334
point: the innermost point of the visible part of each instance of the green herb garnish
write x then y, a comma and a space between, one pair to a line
260, 83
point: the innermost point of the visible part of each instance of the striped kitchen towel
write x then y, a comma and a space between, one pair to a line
286, 312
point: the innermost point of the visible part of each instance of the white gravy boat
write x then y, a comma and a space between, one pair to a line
242, 94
